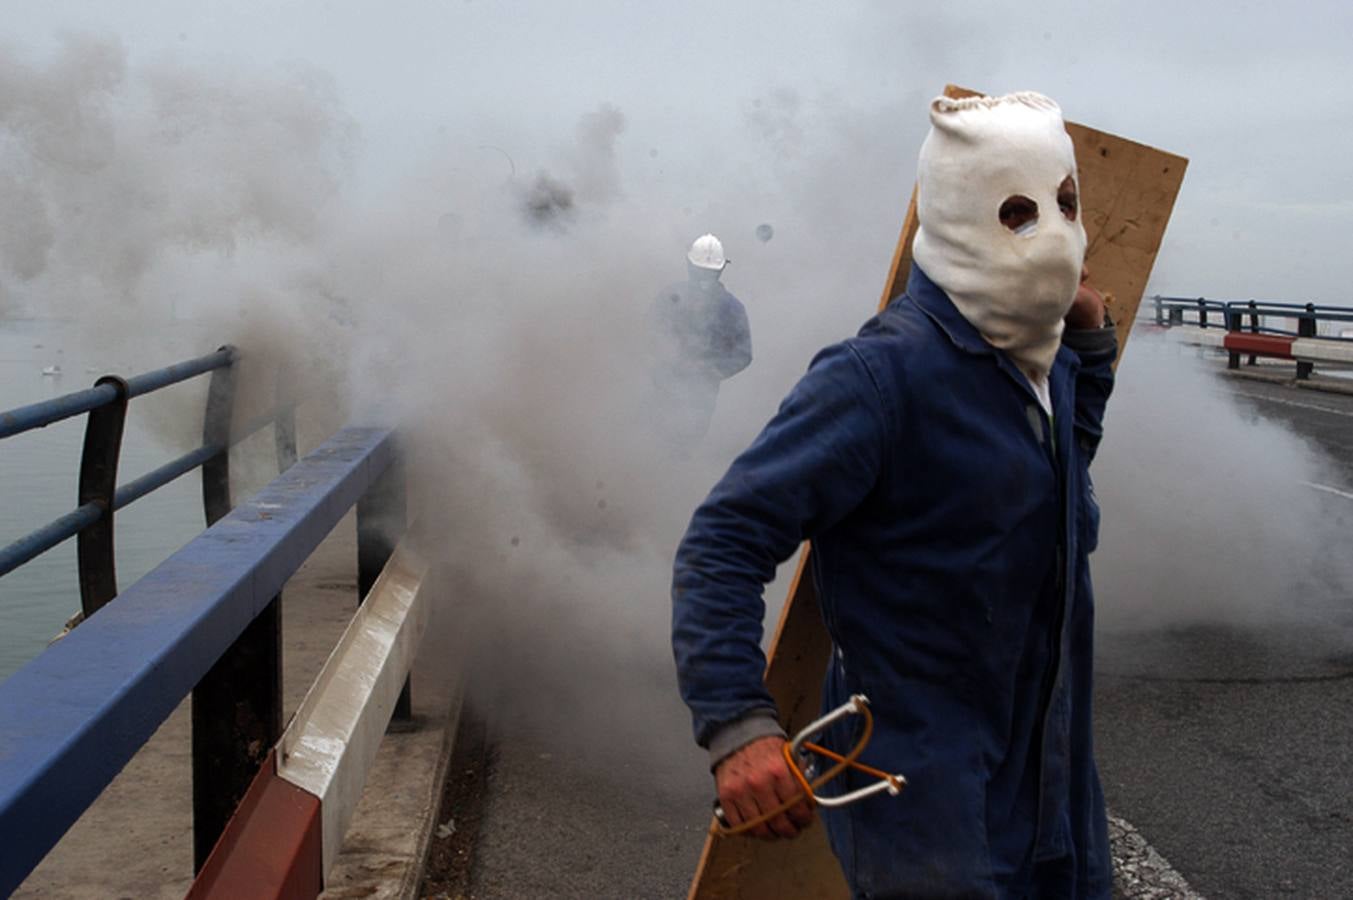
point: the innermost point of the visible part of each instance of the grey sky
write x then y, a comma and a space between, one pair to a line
1254, 94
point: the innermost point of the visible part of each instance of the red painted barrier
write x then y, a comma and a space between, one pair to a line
288, 828
271, 848
1276, 345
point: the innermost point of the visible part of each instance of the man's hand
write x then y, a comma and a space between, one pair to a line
755, 779
1087, 310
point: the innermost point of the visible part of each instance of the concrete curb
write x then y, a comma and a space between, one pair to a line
1328, 387
1297, 350
386, 847
1315, 383
411, 884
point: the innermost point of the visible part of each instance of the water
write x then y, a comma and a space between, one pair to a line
39, 469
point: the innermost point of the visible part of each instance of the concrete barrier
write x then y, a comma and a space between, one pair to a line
285, 837
1306, 352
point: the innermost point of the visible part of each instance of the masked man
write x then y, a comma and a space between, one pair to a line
938, 461
699, 338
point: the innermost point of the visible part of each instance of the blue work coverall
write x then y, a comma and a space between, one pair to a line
951, 520
700, 337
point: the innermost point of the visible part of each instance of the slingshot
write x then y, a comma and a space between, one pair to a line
803, 768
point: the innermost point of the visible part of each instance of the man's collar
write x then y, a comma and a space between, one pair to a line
931, 299
935, 303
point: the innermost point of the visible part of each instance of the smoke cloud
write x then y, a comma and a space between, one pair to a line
501, 323
115, 169
1209, 517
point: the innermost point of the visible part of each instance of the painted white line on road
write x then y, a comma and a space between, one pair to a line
1139, 871
1296, 403
1328, 490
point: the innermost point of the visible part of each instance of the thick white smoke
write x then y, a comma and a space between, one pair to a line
115, 169
1209, 517
491, 302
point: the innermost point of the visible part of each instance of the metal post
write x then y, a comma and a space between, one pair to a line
284, 438
1232, 320
237, 719
1176, 315
98, 482
1254, 327
1202, 312
216, 433
237, 706
1306, 328
1306, 324
381, 519
1160, 311
284, 424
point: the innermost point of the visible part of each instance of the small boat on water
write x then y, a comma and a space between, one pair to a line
52, 371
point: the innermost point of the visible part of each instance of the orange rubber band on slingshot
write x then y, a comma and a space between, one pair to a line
806, 788
859, 766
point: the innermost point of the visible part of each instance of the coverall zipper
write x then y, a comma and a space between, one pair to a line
1061, 469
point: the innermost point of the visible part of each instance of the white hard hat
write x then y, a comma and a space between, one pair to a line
707, 253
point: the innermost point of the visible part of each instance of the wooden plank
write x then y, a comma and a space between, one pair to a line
741, 867
1127, 194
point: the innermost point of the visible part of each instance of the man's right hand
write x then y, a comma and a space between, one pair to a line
755, 779
1087, 309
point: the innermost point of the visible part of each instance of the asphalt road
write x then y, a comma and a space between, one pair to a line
1228, 746
602, 794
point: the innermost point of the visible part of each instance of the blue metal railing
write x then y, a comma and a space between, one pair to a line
100, 497
39, 541
47, 412
206, 621
37, 415
103, 396
1251, 315
72, 718
173, 374
137, 488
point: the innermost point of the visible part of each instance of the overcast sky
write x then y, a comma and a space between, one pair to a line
1255, 94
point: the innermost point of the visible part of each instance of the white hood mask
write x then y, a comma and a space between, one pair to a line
1016, 286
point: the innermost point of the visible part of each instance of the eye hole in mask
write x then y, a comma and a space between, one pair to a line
1019, 214
1067, 200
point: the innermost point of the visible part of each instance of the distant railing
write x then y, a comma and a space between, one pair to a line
99, 496
1299, 325
207, 621
1252, 315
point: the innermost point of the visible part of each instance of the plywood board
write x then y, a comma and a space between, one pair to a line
1127, 193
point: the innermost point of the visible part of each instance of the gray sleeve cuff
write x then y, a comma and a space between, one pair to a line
739, 733
1091, 341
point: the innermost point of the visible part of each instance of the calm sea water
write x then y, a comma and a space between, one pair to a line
38, 470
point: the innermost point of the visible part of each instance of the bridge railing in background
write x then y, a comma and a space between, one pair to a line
99, 495
207, 621
1251, 329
